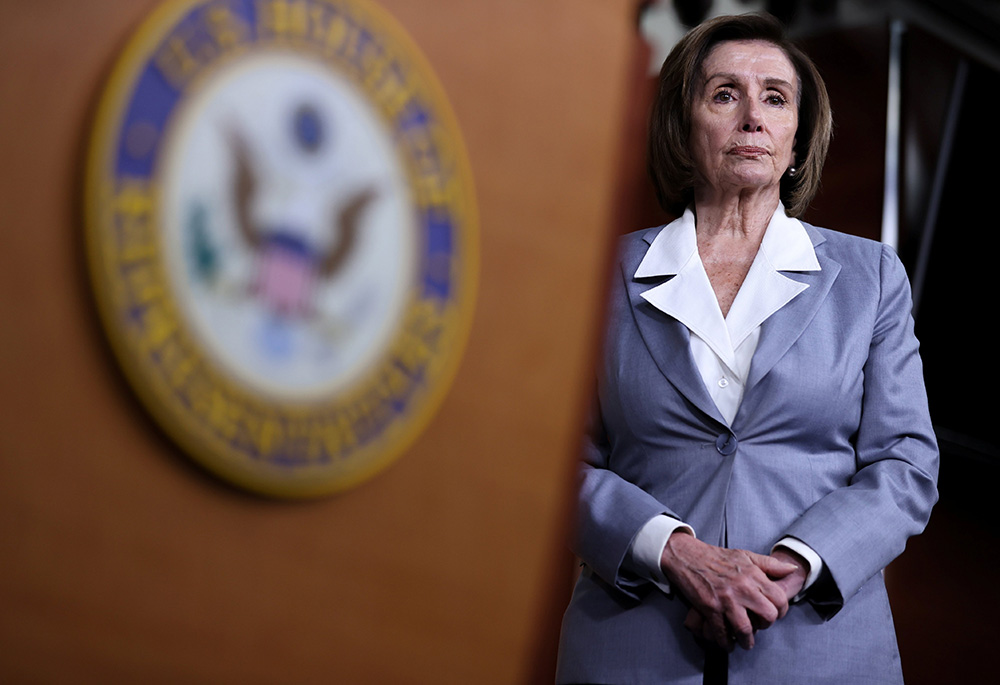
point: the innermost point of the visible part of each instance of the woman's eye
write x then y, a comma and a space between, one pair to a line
724, 96
775, 99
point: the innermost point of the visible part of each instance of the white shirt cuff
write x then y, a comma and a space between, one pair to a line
807, 553
647, 547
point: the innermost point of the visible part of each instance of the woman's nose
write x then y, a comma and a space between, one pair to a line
752, 120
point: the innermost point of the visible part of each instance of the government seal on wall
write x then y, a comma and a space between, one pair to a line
282, 236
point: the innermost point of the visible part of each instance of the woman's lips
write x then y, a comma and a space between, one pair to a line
748, 151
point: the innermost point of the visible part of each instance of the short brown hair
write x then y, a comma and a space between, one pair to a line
669, 160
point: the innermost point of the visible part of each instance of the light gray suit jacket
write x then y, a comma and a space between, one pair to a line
832, 445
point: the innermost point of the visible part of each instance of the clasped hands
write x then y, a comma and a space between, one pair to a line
733, 593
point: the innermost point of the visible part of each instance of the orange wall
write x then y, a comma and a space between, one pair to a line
119, 560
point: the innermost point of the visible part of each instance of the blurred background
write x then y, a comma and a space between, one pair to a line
122, 561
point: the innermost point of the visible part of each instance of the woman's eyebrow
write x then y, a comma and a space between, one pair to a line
723, 75
777, 83
771, 82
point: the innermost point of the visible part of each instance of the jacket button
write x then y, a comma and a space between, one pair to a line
726, 444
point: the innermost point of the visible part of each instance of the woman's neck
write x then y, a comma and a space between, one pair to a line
730, 230
743, 216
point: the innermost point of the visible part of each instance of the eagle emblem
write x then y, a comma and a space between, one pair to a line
289, 262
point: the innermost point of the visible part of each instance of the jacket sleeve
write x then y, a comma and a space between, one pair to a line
612, 509
858, 529
611, 513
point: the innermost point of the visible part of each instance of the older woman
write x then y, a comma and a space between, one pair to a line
762, 448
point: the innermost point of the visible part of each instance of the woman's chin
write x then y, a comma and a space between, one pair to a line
744, 182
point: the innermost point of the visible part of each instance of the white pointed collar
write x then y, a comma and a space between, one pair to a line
689, 297
785, 244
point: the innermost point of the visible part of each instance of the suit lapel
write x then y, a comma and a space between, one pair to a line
666, 338
785, 326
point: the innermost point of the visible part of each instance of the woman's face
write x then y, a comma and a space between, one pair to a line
744, 117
